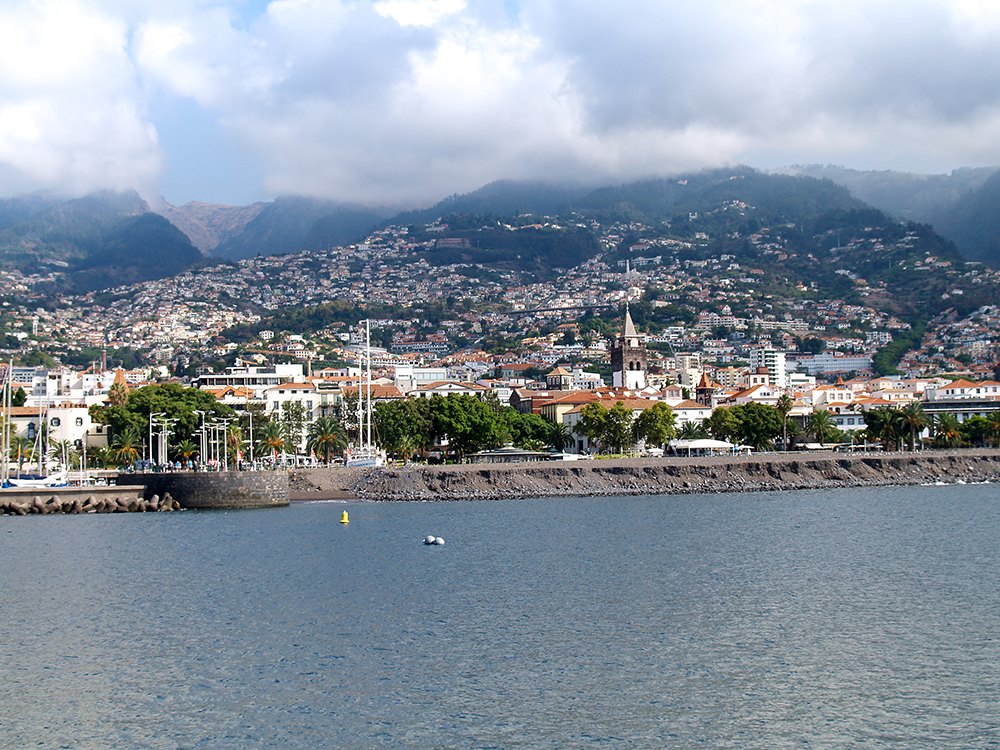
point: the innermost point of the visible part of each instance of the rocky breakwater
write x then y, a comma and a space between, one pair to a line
671, 475
81, 500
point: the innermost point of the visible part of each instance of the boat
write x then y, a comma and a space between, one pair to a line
365, 453
35, 480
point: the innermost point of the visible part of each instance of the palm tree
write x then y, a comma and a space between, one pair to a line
126, 446
784, 405
325, 436
692, 431
118, 394
994, 428
234, 443
947, 430
185, 450
915, 419
821, 425
561, 435
406, 447
272, 439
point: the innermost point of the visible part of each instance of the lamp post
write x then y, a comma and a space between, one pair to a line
201, 436
152, 417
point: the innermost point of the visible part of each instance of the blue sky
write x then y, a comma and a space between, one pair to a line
402, 102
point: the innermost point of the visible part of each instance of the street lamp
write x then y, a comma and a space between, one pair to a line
152, 416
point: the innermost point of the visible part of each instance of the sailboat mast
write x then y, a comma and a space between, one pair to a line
361, 375
368, 406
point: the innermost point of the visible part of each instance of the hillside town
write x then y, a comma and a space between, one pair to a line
546, 348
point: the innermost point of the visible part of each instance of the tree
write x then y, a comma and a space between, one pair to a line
468, 422
994, 428
886, 424
325, 437
657, 424
185, 450
692, 431
118, 394
757, 424
822, 426
722, 424
172, 400
947, 431
403, 419
784, 405
293, 421
915, 420
272, 440
127, 446
608, 428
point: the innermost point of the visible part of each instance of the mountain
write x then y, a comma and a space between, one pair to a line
908, 196
500, 198
99, 241
208, 225
142, 249
66, 231
741, 192
296, 224
972, 222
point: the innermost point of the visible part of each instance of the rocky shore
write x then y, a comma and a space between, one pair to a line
669, 475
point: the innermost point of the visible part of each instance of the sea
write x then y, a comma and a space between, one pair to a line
854, 618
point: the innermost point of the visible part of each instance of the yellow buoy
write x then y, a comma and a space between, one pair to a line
343, 517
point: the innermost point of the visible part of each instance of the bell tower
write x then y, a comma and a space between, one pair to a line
628, 358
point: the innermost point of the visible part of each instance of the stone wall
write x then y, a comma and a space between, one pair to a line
670, 475
224, 490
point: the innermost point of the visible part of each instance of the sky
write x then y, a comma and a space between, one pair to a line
404, 102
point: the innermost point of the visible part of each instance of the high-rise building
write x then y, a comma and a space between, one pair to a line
774, 361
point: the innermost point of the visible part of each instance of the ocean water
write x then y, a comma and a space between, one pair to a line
864, 618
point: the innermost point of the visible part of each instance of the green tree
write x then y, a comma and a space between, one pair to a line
271, 440
326, 436
693, 431
784, 405
887, 425
294, 418
822, 426
468, 422
127, 446
758, 424
722, 424
403, 419
947, 431
657, 424
915, 420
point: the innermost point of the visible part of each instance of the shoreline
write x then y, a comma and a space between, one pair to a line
645, 476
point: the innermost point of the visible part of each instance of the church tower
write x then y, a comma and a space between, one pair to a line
628, 358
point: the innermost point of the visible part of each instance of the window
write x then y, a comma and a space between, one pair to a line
79, 421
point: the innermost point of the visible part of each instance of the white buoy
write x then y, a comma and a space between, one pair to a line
439, 541
430, 540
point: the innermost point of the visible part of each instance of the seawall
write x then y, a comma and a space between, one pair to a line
223, 490
671, 475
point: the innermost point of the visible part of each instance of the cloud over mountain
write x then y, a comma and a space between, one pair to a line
408, 100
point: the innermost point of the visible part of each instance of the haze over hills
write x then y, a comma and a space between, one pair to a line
91, 237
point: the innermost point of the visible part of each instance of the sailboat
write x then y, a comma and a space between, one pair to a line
365, 453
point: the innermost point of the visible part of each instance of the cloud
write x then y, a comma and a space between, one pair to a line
71, 115
409, 100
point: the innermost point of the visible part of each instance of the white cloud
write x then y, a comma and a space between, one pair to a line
70, 112
413, 99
